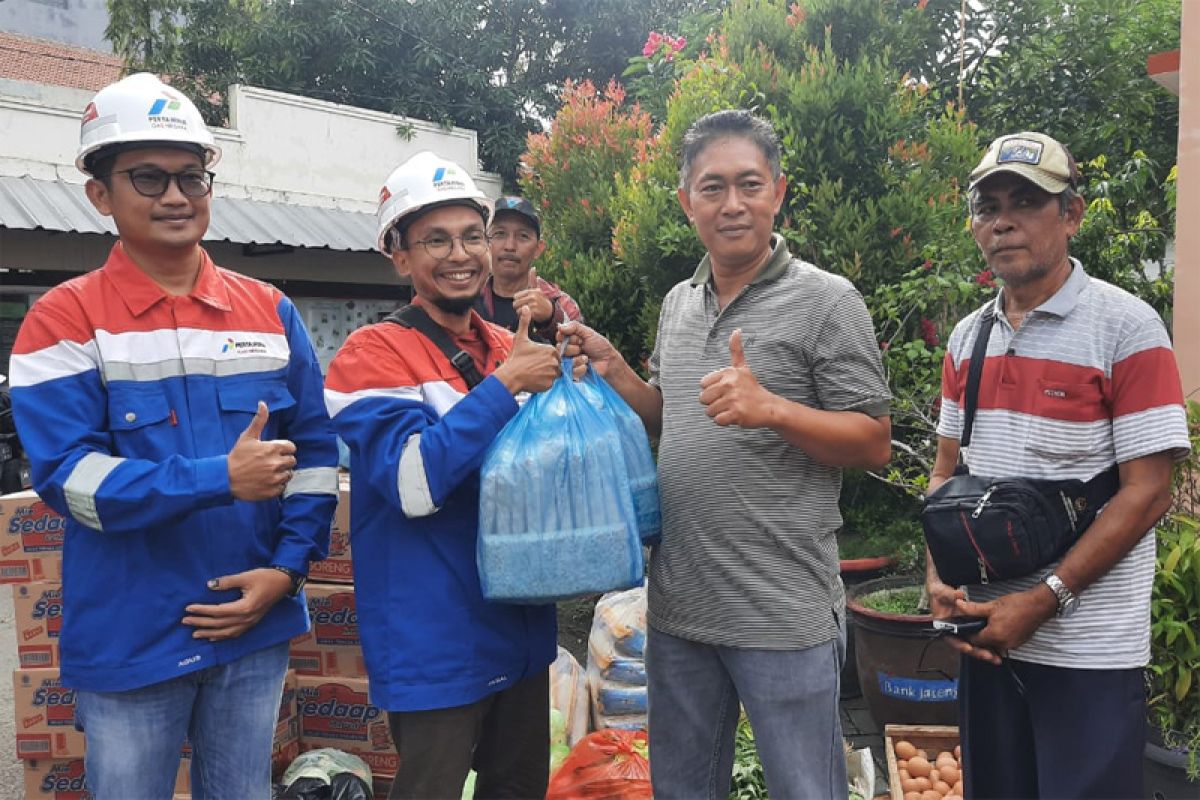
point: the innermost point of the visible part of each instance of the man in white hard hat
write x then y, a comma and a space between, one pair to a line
419, 398
172, 412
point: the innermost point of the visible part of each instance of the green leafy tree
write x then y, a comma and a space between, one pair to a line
490, 65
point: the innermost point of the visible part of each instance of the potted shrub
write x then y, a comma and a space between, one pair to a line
880, 534
906, 676
1174, 706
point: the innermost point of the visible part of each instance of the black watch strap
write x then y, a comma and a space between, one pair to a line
298, 579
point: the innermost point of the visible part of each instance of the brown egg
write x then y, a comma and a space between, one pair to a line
905, 750
923, 784
919, 767
912, 796
948, 797
931, 794
957, 788
958, 752
941, 787
910, 786
904, 774
948, 773
945, 755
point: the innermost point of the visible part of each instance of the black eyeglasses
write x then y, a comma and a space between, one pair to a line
153, 182
439, 247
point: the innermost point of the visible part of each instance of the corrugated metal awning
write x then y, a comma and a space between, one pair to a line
28, 203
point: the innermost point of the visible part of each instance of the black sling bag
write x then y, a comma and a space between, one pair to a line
415, 317
984, 529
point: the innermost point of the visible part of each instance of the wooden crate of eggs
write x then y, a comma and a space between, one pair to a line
924, 762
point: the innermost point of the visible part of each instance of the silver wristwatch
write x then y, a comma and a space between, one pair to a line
1068, 603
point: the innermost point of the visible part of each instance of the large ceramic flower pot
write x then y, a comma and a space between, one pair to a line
1165, 774
906, 677
854, 571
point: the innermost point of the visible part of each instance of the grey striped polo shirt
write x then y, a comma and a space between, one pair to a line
748, 556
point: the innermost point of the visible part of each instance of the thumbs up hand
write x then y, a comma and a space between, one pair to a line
733, 396
259, 470
531, 366
532, 298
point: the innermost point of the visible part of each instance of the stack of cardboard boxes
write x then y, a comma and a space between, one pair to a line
334, 690
331, 677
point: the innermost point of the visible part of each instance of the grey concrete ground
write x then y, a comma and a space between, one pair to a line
861, 731
12, 781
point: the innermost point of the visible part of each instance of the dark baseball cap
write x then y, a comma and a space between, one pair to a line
521, 206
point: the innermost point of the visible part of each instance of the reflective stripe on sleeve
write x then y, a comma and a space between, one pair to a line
415, 498
83, 483
313, 480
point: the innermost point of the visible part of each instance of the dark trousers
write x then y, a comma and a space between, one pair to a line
1068, 733
504, 737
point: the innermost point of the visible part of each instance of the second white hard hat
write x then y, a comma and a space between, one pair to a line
426, 179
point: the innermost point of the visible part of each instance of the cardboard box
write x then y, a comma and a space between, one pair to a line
37, 610
44, 711
931, 738
337, 568
31, 539
47, 779
335, 712
332, 646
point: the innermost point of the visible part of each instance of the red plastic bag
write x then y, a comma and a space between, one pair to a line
612, 764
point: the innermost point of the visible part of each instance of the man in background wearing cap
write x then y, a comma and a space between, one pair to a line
419, 400
516, 237
172, 412
1079, 376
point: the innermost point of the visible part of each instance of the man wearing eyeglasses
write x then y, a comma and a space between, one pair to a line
516, 241
173, 413
419, 398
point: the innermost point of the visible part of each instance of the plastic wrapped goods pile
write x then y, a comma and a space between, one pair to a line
616, 669
635, 446
569, 696
556, 517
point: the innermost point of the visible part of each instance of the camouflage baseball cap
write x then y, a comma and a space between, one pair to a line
521, 206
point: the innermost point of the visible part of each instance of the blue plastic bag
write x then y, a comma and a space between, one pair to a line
556, 516
635, 445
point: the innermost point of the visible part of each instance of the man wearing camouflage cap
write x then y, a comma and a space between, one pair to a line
516, 242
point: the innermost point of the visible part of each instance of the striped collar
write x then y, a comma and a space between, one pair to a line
140, 293
769, 271
1062, 302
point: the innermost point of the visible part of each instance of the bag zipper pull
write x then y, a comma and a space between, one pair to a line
983, 577
982, 502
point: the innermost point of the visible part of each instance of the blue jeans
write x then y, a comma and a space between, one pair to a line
227, 712
791, 699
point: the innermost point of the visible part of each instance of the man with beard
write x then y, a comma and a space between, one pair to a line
465, 681
516, 239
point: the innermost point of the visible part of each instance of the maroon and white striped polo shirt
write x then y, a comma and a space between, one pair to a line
1088, 380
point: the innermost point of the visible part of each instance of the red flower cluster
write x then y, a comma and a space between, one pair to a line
659, 42
929, 332
986, 278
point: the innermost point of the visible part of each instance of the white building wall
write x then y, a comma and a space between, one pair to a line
278, 148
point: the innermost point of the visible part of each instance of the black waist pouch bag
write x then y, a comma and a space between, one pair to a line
982, 529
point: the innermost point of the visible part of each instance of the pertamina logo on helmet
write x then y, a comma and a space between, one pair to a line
164, 113
445, 178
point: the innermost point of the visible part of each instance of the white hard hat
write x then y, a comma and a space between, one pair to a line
141, 108
422, 181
